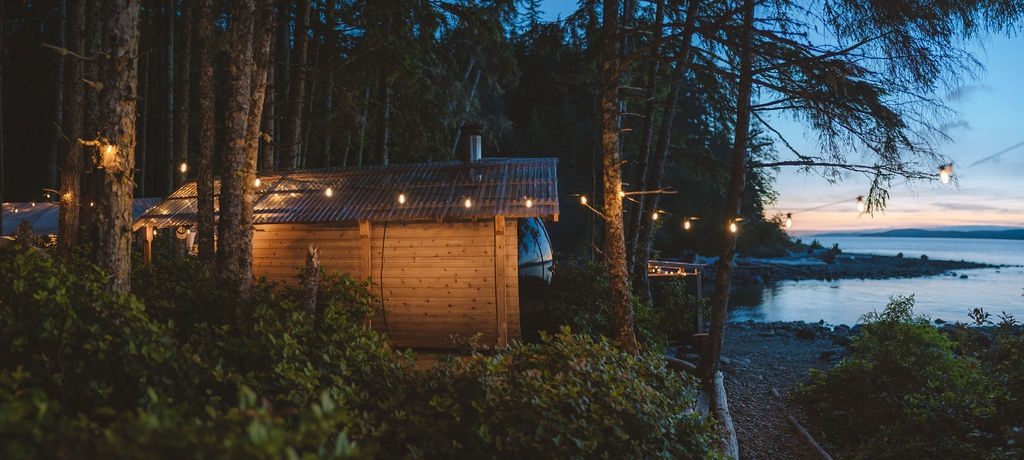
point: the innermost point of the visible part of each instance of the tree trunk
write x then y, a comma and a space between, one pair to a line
143, 133
3, 57
647, 133
282, 49
58, 105
248, 74
170, 167
329, 121
311, 282
614, 239
206, 136
385, 119
184, 94
114, 204
71, 172
362, 129
95, 12
723, 279
267, 163
656, 170
292, 128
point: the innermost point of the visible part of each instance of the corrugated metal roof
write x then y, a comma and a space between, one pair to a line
43, 215
434, 191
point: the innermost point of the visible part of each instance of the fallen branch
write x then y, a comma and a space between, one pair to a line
720, 409
808, 439
64, 52
677, 364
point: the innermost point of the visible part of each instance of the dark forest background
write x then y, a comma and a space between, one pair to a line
393, 81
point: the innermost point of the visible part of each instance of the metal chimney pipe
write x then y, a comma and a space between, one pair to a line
474, 141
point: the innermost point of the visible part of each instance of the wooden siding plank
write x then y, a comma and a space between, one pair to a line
501, 309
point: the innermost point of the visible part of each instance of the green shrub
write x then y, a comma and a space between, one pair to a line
569, 396
172, 372
579, 298
905, 393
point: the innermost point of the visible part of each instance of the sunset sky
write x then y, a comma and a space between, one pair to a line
989, 194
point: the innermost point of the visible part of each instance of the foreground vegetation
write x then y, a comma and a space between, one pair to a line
909, 390
177, 370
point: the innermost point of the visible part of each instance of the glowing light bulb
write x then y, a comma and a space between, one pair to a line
945, 173
861, 205
654, 215
789, 220
329, 192
583, 200
92, 203
183, 167
257, 182
401, 198
468, 203
529, 203
622, 194
733, 227
33, 204
687, 224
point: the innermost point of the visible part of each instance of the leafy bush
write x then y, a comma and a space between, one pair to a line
569, 396
905, 393
579, 298
174, 372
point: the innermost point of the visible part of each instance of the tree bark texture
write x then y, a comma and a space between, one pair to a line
251, 33
114, 203
614, 238
656, 170
71, 172
181, 144
646, 133
58, 104
723, 280
385, 120
267, 136
170, 167
292, 130
206, 136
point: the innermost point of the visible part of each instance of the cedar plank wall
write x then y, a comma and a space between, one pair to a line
438, 278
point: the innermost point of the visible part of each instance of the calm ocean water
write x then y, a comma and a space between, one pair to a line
946, 296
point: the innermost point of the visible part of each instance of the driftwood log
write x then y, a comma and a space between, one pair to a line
808, 439
720, 409
311, 281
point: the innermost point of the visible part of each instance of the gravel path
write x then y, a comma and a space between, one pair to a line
760, 358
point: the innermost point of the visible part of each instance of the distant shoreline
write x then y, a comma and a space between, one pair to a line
756, 271
1014, 234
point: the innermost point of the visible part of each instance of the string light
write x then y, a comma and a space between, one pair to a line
687, 224
468, 203
789, 220
861, 205
945, 172
33, 204
733, 228
401, 198
622, 194
92, 203
183, 168
257, 182
528, 203
654, 215
329, 192
583, 200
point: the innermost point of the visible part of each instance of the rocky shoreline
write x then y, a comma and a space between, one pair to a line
823, 265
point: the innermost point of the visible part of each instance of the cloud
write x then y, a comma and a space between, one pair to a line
961, 93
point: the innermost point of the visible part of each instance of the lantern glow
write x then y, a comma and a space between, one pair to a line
583, 200
329, 192
401, 198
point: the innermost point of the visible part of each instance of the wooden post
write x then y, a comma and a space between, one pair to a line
364, 249
501, 299
364, 258
147, 252
700, 296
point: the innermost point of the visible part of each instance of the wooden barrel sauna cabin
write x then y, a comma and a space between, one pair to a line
445, 244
